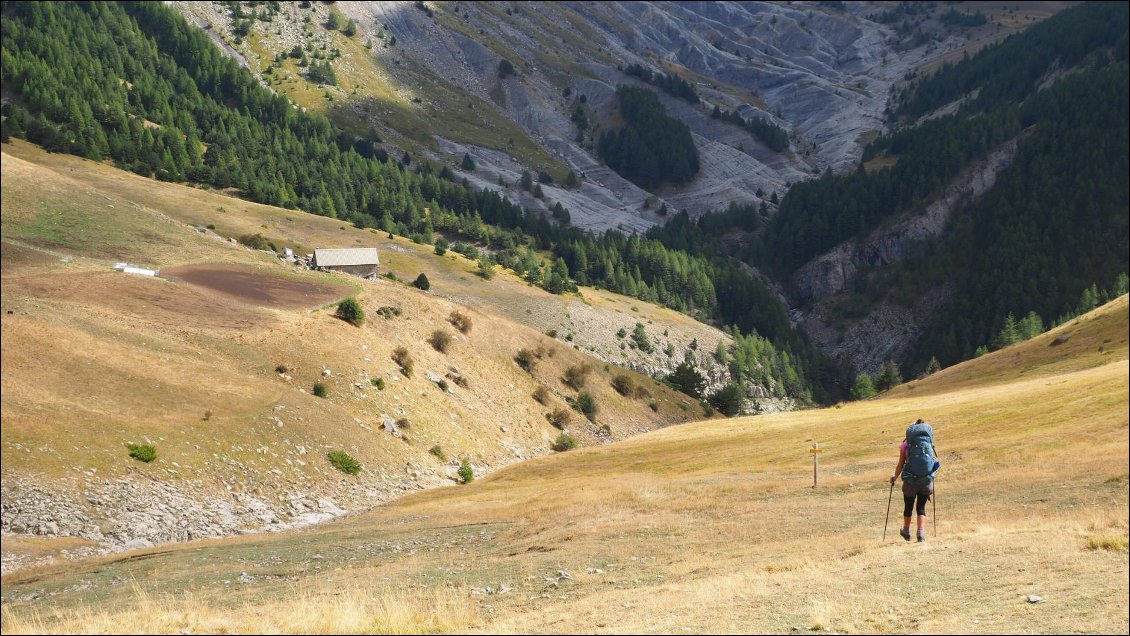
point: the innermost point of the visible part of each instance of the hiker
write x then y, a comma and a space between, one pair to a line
917, 465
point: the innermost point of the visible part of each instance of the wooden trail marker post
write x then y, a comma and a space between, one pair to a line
815, 450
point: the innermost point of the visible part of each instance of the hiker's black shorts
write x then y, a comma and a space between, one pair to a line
911, 493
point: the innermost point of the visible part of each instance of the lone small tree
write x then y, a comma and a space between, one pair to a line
468, 163
466, 473
421, 282
505, 68
728, 399
863, 387
350, 311
687, 379
888, 377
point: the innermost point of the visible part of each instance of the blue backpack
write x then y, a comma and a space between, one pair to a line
921, 458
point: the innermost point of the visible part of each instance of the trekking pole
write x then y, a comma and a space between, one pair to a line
934, 503
888, 518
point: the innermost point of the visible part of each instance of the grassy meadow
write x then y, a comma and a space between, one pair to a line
706, 527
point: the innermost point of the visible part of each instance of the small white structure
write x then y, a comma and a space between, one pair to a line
133, 269
359, 261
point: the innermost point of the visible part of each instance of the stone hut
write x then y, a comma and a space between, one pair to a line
359, 261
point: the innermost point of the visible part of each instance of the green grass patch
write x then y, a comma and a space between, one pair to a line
344, 462
142, 452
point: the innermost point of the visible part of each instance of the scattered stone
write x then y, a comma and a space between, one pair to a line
1032, 598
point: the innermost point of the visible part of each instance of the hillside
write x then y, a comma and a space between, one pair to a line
711, 527
177, 109
424, 76
214, 364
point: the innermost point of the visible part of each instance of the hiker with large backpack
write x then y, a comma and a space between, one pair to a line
918, 461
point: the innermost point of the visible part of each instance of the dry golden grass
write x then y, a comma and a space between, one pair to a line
714, 526
359, 609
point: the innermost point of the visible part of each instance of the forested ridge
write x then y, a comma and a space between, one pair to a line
133, 83
1053, 228
1011, 70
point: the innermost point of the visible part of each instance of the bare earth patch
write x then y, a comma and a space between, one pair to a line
257, 286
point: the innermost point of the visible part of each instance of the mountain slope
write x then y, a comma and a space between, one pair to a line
425, 76
707, 527
177, 109
214, 364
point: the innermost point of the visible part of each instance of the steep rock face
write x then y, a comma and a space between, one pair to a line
835, 271
887, 331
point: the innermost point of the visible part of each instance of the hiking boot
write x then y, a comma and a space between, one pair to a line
921, 537
905, 532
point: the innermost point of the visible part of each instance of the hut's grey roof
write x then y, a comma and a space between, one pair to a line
346, 257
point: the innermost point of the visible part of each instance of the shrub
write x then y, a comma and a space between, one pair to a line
403, 423
707, 408
621, 333
350, 311
421, 282
586, 404
387, 312
653, 405
441, 246
461, 321
320, 390
641, 393
458, 380
379, 383
342, 461
564, 442
575, 376
402, 358
440, 340
639, 336
466, 473
486, 268
505, 68
525, 359
142, 452
281, 369
438, 452
623, 385
256, 242
560, 418
541, 395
